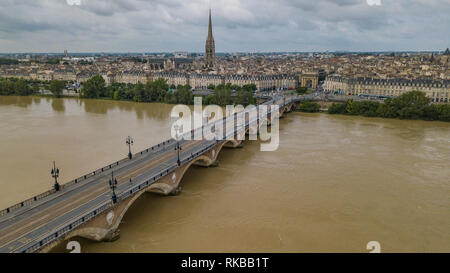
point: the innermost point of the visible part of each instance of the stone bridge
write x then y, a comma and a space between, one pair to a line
86, 207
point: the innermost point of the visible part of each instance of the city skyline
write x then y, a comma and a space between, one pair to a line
157, 26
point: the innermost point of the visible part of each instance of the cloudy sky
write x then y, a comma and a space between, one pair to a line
239, 25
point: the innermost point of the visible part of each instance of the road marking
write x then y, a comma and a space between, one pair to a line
141, 167
25, 226
76, 201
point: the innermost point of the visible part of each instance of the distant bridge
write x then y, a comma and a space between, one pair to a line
84, 207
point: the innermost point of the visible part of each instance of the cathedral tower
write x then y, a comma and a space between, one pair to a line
210, 54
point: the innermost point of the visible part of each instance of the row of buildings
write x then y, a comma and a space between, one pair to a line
195, 80
436, 90
203, 81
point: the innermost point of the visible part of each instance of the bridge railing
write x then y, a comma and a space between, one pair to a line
85, 218
77, 180
66, 229
142, 186
81, 179
26, 202
88, 216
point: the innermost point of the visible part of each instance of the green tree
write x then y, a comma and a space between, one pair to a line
222, 95
141, 94
249, 87
93, 87
309, 107
443, 111
170, 98
301, 90
157, 90
365, 108
53, 61
411, 105
56, 87
386, 109
21, 88
184, 95
6, 87
210, 100
431, 112
8, 61
338, 108
351, 108
116, 95
34, 88
245, 96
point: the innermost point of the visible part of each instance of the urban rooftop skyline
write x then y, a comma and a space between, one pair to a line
136, 26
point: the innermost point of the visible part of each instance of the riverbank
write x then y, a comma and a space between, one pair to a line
409, 106
359, 180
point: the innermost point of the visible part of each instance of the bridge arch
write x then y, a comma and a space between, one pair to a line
105, 227
293, 106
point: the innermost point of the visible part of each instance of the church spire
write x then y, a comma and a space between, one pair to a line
210, 48
210, 34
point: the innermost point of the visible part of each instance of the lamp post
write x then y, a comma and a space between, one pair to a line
178, 147
129, 142
113, 187
55, 175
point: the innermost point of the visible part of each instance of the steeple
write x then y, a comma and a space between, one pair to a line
210, 34
210, 48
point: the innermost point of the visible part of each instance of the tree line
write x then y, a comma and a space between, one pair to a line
158, 91
16, 87
8, 61
153, 91
309, 107
22, 87
223, 95
411, 105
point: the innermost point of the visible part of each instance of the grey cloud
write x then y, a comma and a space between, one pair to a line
108, 7
239, 25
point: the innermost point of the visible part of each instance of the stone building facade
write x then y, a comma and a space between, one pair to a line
437, 91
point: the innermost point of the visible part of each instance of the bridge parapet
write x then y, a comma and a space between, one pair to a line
68, 185
91, 224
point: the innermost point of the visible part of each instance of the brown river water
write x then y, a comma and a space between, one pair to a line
334, 184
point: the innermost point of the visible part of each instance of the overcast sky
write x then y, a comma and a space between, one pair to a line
239, 25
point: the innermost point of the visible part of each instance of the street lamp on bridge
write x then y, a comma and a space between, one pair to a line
129, 142
113, 187
55, 175
178, 146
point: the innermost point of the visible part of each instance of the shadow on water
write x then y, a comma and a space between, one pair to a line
156, 111
58, 105
36, 100
16, 101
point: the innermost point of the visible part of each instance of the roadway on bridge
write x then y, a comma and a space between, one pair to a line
26, 226
20, 228
44, 218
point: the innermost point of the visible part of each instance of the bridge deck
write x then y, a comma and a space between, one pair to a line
22, 228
